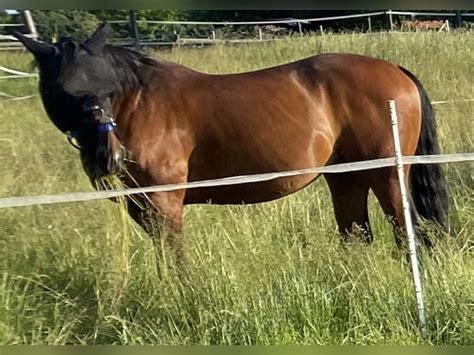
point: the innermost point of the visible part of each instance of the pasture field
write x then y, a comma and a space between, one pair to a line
273, 273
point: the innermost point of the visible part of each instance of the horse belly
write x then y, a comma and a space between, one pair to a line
250, 192
255, 157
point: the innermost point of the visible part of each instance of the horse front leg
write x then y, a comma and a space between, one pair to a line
161, 216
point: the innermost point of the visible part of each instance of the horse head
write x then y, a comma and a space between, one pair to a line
77, 82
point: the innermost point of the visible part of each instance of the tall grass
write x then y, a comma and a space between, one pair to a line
273, 273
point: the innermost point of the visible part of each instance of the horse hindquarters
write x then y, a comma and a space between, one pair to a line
374, 140
427, 182
427, 185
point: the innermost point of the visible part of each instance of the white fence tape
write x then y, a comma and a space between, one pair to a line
4, 94
16, 74
10, 98
450, 101
234, 180
20, 98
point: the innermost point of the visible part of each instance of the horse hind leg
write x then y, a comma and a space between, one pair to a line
349, 193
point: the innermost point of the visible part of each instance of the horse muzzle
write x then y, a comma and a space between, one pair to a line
110, 152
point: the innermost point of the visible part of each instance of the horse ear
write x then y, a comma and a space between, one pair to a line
38, 49
97, 41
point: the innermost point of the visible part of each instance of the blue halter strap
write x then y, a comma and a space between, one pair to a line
106, 127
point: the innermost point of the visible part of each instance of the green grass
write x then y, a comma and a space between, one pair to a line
273, 273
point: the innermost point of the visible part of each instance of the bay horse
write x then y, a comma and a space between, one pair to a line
180, 125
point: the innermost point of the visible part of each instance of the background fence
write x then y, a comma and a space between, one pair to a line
256, 31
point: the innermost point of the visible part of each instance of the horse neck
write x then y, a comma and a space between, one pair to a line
153, 78
146, 107
124, 106
133, 103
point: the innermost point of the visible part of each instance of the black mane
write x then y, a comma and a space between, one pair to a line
126, 63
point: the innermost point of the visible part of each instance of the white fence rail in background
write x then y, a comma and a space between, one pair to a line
8, 42
136, 40
299, 22
268, 22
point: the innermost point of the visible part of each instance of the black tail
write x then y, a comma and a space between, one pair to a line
427, 182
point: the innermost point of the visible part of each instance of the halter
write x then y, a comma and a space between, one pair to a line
105, 123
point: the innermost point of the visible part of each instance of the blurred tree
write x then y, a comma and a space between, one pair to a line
54, 24
9, 16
